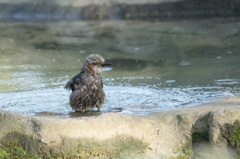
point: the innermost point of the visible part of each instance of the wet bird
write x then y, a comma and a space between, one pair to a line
87, 86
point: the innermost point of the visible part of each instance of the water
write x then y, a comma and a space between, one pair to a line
157, 66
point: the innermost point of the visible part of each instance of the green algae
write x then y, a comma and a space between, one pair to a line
186, 152
235, 136
15, 150
119, 147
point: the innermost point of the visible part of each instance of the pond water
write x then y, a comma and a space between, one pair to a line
157, 66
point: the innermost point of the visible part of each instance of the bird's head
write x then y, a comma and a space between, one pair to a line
94, 63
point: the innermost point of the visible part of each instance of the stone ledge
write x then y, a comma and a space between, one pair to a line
176, 133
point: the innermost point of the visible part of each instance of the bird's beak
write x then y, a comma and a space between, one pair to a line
106, 64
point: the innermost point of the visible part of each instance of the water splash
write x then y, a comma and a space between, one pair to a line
128, 99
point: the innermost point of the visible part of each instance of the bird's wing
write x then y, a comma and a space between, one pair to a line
69, 85
75, 82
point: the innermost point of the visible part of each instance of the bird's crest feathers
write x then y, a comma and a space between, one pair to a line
95, 59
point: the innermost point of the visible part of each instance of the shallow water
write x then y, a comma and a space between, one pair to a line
157, 66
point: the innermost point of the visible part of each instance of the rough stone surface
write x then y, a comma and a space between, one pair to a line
167, 134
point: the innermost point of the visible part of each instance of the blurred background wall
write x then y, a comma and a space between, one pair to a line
35, 10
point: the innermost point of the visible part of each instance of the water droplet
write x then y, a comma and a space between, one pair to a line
82, 52
136, 49
185, 63
170, 81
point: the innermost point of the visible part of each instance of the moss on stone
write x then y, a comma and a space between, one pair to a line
185, 151
15, 150
181, 157
119, 147
231, 132
235, 136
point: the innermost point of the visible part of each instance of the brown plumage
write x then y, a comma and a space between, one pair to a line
87, 86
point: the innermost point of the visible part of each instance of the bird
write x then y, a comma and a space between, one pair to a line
87, 86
